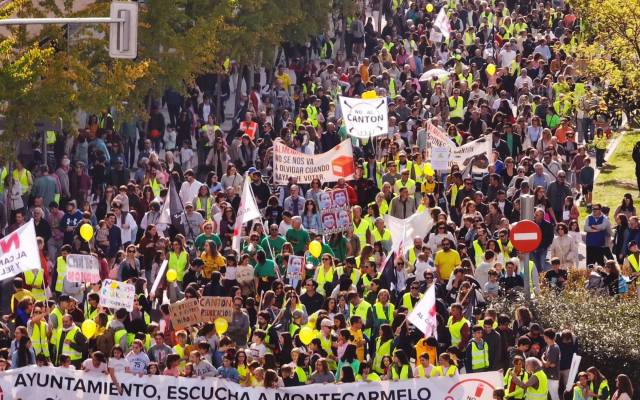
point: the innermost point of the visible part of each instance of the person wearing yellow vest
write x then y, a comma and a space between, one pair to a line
55, 323
325, 276
456, 107
38, 331
362, 309
459, 327
600, 142
598, 384
383, 310
361, 227
72, 342
478, 246
369, 274
631, 264
349, 269
366, 375
511, 390
405, 182
401, 368
91, 306
23, 175
536, 385
178, 260
61, 267
384, 347
411, 298
424, 368
477, 353
381, 234
204, 201
34, 279
445, 367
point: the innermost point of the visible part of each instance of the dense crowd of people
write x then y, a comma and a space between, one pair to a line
511, 75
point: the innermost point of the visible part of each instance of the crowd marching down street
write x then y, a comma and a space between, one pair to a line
358, 219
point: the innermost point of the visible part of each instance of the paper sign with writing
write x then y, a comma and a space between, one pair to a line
244, 274
294, 268
212, 307
83, 268
184, 313
116, 295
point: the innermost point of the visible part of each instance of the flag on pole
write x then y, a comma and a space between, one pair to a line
171, 209
248, 211
19, 251
442, 23
423, 315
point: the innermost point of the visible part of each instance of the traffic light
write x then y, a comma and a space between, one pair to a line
123, 35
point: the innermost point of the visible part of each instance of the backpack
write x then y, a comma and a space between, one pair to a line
106, 341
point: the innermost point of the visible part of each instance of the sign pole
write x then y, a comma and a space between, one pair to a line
527, 277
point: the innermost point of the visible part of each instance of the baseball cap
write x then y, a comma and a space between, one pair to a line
252, 170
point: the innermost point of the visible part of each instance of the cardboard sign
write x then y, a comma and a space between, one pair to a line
330, 166
116, 295
184, 313
245, 274
83, 268
213, 307
440, 158
365, 118
294, 268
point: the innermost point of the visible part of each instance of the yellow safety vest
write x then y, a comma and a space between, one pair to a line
39, 340
439, 371
392, 88
469, 39
381, 315
207, 206
178, 263
385, 236
509, 249
312, 112
67, 350
406, 301
51, 137
366, 282
604, 384
36, 282
410, 184
23, 178
404, 373
479, 357
361, 231
478, 252
372, 377
378, 172
155, 186
421, 372
518, 392
382, 350
455, 329
3, 176
57, 332
354, 276
412, 256
322, 278
456, 107
633, 261
542, 391
301, 374
61, 268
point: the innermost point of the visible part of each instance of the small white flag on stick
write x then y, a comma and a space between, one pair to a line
442, 23
248, 211
423, 315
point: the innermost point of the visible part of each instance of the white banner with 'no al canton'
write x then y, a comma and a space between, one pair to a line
44, 383
365, 118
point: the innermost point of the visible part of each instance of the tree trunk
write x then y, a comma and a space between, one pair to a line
238, 88
219, 109
380, 15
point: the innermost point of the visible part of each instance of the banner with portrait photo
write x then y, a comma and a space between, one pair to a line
334, 211
365, 118
330, 166
294, 268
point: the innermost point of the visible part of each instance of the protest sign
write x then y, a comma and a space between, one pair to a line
440, 158
460, 155
335, 164
116, 295
365, 118
244, 274
334, 211
212, 307
161, 272
19, 251
294, 268
184, 313
63, 383
83, 268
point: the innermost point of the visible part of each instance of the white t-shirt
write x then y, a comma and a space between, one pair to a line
138, 362
119, 364
257, 350
87, 366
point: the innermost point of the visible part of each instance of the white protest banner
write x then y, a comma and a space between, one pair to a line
244, 274
335, 164
19, 251
212, 307
116, 295
403, 231
365, 118
184, 313
62, 383
423, 315
438, 137
161, 272
83, 268
294, 268
461, 155
440, 158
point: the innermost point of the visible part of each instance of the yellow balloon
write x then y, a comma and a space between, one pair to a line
172, 275
429, 8
86, 232
221, 325
491, 69
371, 94
306, 335
315, 248
89, 328
114, 285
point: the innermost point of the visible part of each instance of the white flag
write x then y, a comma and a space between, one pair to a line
19, 251
442, 23
248, 211
423, 315
403, 231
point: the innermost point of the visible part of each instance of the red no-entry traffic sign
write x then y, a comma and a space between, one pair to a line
525, 236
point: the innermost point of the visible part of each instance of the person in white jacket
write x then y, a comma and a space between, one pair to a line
564, 247
126, 223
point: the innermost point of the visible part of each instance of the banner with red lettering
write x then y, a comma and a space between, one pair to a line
330, 166
19, 251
